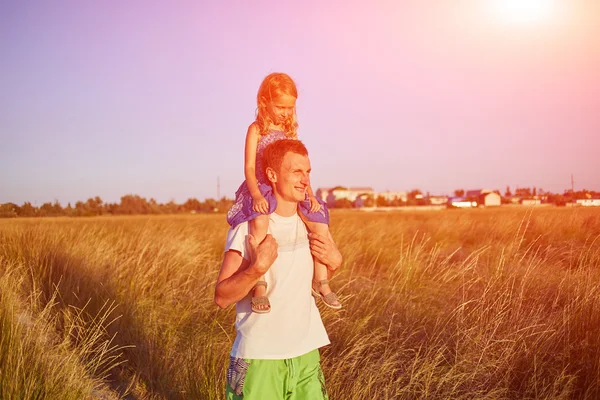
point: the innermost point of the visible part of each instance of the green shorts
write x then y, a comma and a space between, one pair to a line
298, 378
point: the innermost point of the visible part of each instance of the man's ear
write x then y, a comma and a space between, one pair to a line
271, 175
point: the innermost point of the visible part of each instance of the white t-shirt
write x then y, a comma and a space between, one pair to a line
294, 326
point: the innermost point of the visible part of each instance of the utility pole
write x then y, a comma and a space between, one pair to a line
218, 188
572, 184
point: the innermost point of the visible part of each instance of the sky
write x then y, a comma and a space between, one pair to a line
154, 98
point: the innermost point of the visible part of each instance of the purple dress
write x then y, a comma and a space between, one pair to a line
241, 211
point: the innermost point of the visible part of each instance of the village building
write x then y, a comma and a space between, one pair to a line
437, 200
330, 195
531, 202
588, 202
364, 200
484, 197
391, 196
461, 202
514, 200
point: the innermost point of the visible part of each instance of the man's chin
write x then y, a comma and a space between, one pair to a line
299, 196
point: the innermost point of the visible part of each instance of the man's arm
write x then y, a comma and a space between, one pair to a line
326, 251
238, 275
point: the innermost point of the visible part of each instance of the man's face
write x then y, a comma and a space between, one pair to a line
293, 178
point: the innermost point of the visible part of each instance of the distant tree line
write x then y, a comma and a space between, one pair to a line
129, 205
135, 205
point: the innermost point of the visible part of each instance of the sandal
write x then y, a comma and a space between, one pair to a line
258, 301
329, 298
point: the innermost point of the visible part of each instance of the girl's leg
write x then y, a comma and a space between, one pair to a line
320, 269
258, 228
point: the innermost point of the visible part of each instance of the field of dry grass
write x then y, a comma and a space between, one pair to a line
460, 304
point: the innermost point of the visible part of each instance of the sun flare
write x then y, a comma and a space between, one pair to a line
522, 11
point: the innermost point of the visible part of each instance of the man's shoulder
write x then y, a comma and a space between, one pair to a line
242, 226
236, 238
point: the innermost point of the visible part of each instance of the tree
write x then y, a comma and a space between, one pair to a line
57, 210
397, 201
133, 204
154, 206
459, 192
27, 210
80, 209
46, 210
209, 205
9, 210
415, 197
523, 192
343, 203
557, 199
68, 211
93, 206
381, 201
415, 194
50, 210
224, 204
192, 204
369, 201
169, 208
507, 193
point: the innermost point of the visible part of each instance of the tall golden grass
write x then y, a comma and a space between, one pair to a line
460, 304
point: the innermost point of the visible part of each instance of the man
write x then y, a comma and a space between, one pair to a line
275, 355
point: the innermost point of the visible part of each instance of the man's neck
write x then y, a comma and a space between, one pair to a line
285, 208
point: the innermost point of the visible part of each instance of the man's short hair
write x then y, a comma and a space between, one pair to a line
274, 153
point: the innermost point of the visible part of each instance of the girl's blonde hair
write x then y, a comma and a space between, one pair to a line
272, 87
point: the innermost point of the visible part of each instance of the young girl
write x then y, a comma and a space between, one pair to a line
254, 200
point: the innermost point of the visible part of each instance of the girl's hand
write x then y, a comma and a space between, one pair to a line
260, 204
314, 204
